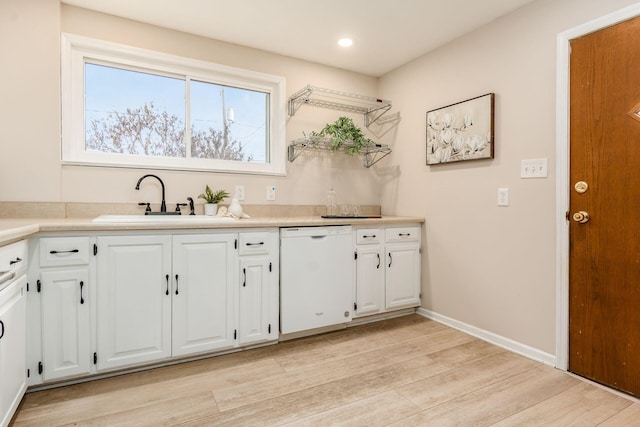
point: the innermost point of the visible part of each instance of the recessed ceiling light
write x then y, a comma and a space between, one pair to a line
345, 42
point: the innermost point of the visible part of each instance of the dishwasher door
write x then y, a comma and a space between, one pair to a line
317, 277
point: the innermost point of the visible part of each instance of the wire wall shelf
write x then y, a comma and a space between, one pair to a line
371, 108
371, 154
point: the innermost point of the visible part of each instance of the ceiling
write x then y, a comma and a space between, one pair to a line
386, 33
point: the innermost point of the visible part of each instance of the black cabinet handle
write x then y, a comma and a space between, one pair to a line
404, 234
378, 266
167, 277
390, 259
373, 236
81, 297
72, 251
15, 261
244, 271
255, 244
176, 284
2, 333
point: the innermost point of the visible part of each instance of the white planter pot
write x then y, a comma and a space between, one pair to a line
210, 209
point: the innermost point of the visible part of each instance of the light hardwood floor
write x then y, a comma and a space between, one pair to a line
406, 371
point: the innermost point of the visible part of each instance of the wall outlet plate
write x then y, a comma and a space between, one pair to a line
503, 197
240, 192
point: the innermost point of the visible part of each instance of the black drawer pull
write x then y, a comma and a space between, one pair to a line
2, 333
176, 284
72, 251
81, 297
378, 266
404, 234
255, 244
390, 259
15, 261
373, 236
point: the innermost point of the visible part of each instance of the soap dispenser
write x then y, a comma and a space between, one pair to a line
332, 206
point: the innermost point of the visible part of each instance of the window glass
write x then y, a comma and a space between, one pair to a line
228, 123
131, 112
130, 107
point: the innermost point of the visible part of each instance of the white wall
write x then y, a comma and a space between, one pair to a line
30, 161
491, 267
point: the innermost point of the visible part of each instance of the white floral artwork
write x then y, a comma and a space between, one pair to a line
461, 131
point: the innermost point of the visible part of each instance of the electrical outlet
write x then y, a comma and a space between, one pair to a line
240, 192
503, 197
271, 192
533, 168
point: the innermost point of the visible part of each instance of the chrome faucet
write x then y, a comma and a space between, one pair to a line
163, 206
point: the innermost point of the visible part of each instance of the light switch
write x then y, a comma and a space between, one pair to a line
533, 168
503, 197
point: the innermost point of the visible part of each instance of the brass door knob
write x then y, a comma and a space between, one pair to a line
581, 217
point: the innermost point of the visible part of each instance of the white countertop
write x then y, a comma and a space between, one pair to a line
12, 229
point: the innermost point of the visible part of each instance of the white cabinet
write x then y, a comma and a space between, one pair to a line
13, 328
369, 271
162, 296
387, 269
65, 323
133, 300
258, 291
203, 296
13, 370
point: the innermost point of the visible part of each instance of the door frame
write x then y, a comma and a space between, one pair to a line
562, 170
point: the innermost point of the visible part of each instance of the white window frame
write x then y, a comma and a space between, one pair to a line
75, 50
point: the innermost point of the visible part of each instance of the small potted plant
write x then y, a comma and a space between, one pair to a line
212, 199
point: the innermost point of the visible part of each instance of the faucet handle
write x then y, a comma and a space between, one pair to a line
178, 206
147, 211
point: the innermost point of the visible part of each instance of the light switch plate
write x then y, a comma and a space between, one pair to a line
533, 168
271, 192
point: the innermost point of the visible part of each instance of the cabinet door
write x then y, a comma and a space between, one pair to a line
13, 348
402, 278
204, 274
369, 280
134, 300
66, 318
254, 308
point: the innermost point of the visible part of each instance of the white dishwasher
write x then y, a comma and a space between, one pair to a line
316, 277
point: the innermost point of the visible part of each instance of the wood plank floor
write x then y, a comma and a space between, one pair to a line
407, 371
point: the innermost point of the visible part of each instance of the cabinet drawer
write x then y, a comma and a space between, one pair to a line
368, 236
254, 243
402, 234
14, 257
56, 251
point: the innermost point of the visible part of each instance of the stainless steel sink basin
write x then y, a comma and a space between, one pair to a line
159, 219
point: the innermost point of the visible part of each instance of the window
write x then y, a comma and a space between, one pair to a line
128, 107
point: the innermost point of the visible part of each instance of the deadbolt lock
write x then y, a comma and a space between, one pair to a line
581, 217
581, 187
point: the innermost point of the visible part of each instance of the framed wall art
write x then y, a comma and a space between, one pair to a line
461, 131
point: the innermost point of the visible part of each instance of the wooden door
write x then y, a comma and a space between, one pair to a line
604, 259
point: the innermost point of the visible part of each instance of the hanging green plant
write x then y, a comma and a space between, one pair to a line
345, 135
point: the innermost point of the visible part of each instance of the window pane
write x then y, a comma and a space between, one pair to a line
228, 123
132, 112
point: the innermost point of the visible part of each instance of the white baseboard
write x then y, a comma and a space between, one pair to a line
500, 341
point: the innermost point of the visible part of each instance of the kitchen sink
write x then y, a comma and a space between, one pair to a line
159, 219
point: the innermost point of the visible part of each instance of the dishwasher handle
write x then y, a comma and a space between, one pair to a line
5, 276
